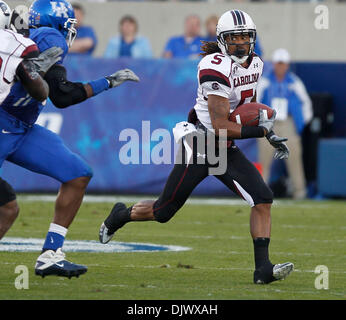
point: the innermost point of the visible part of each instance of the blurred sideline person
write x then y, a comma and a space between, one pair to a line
86, 41
285, 92
187, 45
223, 64
210, 26
258, 48
21, 56
128, 43
38, 149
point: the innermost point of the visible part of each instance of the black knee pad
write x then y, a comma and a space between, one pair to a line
7, 193
164, 213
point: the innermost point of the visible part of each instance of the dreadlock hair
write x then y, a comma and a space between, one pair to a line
209, 47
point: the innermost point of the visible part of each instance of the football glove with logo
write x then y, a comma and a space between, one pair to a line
266, 123
117, 78
282, 151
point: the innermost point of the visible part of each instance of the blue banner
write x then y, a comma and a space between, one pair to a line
99, 128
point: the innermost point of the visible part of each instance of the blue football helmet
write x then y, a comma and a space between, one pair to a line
57, 14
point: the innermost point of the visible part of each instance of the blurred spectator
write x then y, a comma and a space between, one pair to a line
85, 41
128, 43
210, 25
285, 92
258, 48
189, 44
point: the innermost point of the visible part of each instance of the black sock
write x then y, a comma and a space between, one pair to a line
128, 217
261, 252
116, 221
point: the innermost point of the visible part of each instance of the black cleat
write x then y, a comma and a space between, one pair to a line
270, 273
112, 222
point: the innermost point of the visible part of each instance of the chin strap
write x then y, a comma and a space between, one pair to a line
239, 60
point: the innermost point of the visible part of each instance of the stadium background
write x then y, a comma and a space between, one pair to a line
167, 92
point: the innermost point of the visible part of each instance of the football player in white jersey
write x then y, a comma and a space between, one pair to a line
19, 61
227, 77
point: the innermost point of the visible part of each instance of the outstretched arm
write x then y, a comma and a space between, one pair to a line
64, 93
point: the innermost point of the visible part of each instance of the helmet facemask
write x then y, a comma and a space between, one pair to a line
69, 25
239, 55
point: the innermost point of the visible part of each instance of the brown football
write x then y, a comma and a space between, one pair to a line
248, 114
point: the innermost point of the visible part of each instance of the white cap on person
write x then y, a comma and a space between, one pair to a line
281, 55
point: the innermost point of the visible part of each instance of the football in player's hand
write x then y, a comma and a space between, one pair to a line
248, 114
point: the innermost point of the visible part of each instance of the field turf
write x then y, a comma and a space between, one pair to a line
218, 266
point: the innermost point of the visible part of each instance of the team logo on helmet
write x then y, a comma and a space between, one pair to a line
60, 9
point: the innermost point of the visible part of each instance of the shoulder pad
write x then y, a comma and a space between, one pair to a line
217, 62
46, 38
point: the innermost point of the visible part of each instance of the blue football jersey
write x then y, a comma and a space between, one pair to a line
19, 103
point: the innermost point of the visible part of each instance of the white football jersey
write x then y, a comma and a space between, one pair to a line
220, 75
13, 49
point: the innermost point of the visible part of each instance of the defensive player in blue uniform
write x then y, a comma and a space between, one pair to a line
19, 57
35, 148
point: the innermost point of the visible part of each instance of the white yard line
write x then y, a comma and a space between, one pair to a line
13, 244
192, 200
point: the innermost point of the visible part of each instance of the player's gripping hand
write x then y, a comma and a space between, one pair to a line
281, 149
266, 123
117, 78
47, 59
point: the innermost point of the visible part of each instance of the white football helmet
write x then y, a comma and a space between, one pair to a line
235, 22
5, 15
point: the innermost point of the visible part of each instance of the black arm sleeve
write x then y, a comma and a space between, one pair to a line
62, 92
252, 132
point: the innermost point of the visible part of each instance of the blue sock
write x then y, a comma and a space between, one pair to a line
55, 237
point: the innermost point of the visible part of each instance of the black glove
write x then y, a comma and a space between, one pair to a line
282, 151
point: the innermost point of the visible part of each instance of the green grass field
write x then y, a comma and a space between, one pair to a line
218, 266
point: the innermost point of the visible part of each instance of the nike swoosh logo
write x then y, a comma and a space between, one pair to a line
4, 131
60, 265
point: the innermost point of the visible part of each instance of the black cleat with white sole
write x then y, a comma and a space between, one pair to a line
116, 219
269, 273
